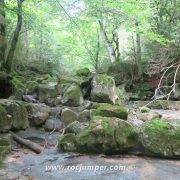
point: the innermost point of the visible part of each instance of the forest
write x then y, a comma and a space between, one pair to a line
89, 83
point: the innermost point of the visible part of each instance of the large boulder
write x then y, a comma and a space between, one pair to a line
103, 89
68, 116
107, 135
38, 113
46, 91
161, 138
39, 118
108, 110
75, 127
84, 116
53, 124
73, 96
17, 113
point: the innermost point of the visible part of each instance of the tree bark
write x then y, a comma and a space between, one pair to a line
31, 145
97, 53
110, 49
138, 49
10, 56
2, 34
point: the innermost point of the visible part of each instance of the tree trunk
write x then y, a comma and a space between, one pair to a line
10, 56
110, 49
2, 34
138, 49
97, 53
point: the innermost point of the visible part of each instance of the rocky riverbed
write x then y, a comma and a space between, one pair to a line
23, 164
89, 121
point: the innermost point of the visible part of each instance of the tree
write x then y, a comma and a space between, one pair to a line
2, 34
14, 41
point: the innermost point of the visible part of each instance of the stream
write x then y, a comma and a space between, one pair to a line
23, 164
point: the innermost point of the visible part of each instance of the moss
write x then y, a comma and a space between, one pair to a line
159, 104
104, 79
161, 138
107, 135
67, 142
19, 115
144, 109
73, 96
83, 72
98, 137
70, 80
108, 110
32, 86
126, 135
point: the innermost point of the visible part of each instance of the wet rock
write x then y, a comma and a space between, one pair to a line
30, 98
161, 138
107, 135
108, 110
73, 96
38, 119
38, 113
17, 113
149, 116
56, 112
67, 142
103, 89
75, 127
53, 124
84, 116
68, 116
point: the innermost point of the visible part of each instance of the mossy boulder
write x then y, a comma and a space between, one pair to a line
84, 116
159, 104
126, 135
107, 135
5, 120
17, 113
103, 89
83, 72
73, 96
75, 127
161, 138
108, 110
47, 90
68, 116
67, 142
